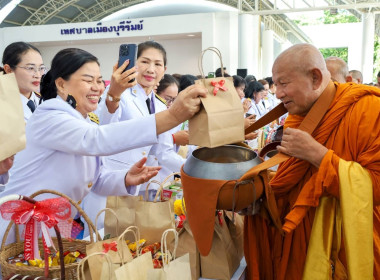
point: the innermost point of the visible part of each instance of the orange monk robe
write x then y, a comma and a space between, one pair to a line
351, 131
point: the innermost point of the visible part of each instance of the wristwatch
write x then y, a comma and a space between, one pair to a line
113, 98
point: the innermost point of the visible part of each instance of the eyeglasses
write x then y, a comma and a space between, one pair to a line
33, 69
169, 100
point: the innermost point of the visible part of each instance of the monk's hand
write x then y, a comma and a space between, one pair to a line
139, 173
302, 145
6, 164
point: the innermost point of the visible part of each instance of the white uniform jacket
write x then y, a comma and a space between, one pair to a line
133, 105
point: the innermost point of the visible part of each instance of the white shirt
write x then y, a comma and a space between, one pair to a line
63, 153
27, 112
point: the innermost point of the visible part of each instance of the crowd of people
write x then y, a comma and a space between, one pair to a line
89, 142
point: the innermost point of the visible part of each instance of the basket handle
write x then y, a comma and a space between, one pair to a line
58, 234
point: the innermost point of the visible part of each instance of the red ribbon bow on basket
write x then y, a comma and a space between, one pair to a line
218, 85
42, 215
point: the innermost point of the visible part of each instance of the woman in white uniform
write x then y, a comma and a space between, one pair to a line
137, 102
25, 61
64, 146
254, 91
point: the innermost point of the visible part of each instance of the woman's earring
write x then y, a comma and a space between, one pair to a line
71, 100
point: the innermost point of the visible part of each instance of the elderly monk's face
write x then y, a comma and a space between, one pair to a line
293, 87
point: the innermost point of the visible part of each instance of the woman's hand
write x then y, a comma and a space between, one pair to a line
120, 80
181, 137
187, 103
251, 136
139, 173
247, 104
248, 121
6, 164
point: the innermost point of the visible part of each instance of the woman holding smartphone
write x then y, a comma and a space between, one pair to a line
64, 146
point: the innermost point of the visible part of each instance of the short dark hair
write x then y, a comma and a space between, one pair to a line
64, 64
269, 80
186, 81
151, 44
253, 88
378, 74
165, 82
13, 52
218, 72
249, 78
238, 81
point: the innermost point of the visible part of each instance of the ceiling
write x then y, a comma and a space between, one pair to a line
39, 12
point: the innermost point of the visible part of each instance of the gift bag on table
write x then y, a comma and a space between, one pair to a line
220, 120
235, 225
138, 267
106, 273
124, 206
186, 245
173, 268
154, 217
12, 123
223, 259
116, 248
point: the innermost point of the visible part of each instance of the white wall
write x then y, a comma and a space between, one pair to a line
183, 61
216, 29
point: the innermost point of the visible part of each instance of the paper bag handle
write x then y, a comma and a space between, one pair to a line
136, 233
161, 186
200, 60
96, 222
164, 246
80, 267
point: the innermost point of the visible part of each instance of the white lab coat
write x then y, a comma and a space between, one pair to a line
63, 153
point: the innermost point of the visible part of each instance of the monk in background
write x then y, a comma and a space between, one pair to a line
328, 192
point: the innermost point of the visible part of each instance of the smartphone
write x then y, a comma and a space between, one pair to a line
248, 115
211, 75
127, 51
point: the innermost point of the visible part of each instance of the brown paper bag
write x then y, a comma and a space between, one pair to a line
116, 249
12, 123
223, 260
220, 120
235, 224
154, 217
136, 269
186, 245
124, 206
107, 273
173, 268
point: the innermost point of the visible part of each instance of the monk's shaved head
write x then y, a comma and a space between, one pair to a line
302, 57
357, 76
300, 75
338, 69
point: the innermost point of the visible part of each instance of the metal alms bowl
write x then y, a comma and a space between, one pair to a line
227, 162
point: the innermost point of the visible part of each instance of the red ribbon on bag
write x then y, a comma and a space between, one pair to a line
218, 85
110, 246
42, 215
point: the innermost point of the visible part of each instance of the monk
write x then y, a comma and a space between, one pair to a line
328, 192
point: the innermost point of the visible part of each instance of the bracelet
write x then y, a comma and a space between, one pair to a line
112, 98
173, 138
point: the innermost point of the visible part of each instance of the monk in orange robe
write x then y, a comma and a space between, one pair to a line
328, 193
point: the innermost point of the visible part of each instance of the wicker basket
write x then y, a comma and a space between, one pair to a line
11, 250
